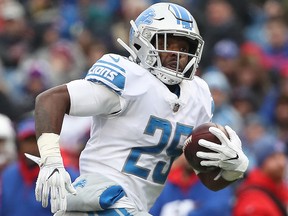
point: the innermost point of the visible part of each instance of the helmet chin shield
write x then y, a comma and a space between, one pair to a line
168, 76
163, 20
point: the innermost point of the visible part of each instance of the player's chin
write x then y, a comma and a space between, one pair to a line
174, 68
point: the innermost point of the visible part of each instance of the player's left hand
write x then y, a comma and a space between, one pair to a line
228, 156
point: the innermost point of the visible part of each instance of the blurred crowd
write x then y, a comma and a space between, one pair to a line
44, 43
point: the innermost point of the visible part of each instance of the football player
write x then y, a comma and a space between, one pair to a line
143, 108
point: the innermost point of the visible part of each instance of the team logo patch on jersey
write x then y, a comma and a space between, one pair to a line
108, 73
80, 183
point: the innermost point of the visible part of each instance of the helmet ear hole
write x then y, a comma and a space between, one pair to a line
137, 46
153, 41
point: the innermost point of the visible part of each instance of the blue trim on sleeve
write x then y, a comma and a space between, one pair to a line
212, 106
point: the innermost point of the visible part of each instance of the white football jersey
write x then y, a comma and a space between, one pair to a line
136, 146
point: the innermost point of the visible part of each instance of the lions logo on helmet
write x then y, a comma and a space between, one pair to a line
145, 18
184, 18
165, 20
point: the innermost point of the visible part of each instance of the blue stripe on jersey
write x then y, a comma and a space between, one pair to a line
183, 16
110, 196
108, 75
111, 64
124, 211
212, 106
114, 212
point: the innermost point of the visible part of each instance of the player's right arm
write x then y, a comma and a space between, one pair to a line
78, 98
82, 98
53, 180
50, 108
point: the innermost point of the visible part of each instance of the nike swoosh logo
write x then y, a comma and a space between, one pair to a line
235, 158
54, 171
115, 59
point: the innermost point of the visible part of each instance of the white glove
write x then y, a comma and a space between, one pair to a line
52, 179
228, 156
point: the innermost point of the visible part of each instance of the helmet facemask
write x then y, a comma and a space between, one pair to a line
183, 62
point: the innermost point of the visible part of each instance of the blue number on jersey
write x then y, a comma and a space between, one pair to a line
172, 151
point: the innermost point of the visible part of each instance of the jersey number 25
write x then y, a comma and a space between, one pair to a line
172, 149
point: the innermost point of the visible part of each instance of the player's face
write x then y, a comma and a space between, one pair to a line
169, 59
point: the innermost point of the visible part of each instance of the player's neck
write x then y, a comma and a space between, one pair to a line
174, 89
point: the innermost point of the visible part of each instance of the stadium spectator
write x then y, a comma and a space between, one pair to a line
7, 142
224, 112
280, 89
225, 59
221, 23
264, 191
245, 101
185, 195
281, 118
35, 79
18, 180
276, 47
14, 38
251, 74
254, 132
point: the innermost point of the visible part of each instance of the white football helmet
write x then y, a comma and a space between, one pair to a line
163, 20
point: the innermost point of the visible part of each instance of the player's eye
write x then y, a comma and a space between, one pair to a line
183, 49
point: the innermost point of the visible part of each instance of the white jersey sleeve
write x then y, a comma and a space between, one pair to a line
91, 99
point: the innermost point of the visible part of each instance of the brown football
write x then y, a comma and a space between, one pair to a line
191, 146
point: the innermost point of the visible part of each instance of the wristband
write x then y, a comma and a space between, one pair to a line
48, 144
